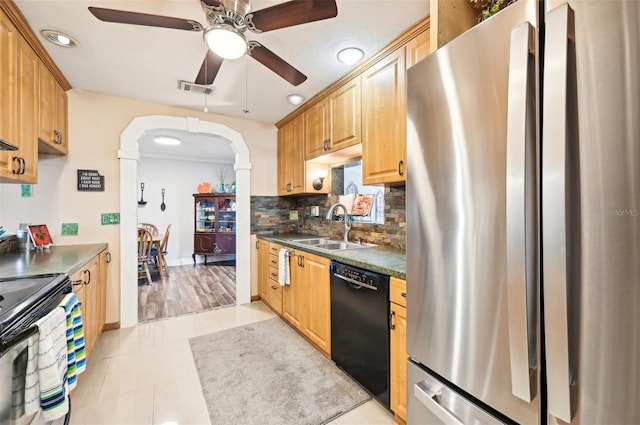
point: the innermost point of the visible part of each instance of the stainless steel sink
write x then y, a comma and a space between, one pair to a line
332, 245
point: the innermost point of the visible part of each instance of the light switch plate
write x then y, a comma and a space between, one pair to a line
293, 215
315, 211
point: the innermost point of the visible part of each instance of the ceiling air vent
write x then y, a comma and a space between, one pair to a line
194, 88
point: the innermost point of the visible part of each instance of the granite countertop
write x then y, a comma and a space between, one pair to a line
56, 259
382, 259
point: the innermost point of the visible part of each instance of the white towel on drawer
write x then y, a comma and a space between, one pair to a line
46, 381
284, 272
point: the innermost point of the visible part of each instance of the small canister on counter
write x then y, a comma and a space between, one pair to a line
24, 241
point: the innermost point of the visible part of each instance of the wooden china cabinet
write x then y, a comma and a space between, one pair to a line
214, 224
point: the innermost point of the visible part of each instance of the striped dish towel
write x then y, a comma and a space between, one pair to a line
76, 355
46, 377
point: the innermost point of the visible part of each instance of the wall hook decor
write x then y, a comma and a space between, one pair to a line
162, 205
142, 202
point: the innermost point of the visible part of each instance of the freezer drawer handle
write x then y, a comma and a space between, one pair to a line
521, 213
429, 397
559, 73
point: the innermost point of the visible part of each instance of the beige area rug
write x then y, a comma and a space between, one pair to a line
265, 373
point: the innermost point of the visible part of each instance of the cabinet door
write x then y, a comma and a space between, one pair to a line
8, 108
317, 315
418, 49
294, 295
345, 107
27, 116
225, 244
204, 243
47, 106
291, 166
91, 278
384, 120
399, 361
263, 269
105, 259
316, 129
61, 125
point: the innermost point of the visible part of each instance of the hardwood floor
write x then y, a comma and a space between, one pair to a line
187, 290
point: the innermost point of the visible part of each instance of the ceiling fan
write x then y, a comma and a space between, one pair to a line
227, 21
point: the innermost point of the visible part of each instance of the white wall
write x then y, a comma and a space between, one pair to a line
96, 122
180, 180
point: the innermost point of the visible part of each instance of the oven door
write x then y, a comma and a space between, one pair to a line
13, 368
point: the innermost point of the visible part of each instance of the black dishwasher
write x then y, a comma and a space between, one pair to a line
359, 327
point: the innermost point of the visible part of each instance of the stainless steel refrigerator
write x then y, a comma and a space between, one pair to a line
523, 212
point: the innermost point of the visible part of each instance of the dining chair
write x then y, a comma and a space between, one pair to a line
159, 254
145, 244
150, 227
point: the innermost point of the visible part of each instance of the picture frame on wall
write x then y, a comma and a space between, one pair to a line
40, 235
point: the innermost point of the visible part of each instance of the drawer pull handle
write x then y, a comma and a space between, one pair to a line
403, 294
78, 282
274, 287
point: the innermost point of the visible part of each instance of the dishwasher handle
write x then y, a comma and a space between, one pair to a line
354, 283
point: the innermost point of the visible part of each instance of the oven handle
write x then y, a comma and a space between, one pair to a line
20, 337
355, 282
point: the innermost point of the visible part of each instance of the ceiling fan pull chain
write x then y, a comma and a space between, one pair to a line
246, 86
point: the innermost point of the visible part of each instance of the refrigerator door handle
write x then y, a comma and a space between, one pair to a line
521, 213
560, 368
429, 397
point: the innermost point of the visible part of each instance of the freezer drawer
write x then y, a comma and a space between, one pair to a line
429, 401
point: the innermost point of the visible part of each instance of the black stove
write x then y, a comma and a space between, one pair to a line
24, 300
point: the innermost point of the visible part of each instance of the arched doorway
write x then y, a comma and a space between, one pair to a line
128, 155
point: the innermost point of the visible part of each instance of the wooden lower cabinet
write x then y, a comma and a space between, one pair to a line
312, 271
89, 284
398, 350
263, 268
305, 304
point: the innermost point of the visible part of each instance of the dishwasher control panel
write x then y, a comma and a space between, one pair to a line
358, 275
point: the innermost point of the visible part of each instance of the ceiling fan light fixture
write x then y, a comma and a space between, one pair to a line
350, 55
295, 99
166, 140
59, 38
225, 41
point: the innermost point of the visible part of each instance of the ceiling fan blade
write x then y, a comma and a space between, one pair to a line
213, 63
292, 13
135, 18
275, 63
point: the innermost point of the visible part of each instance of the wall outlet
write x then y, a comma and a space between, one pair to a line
293, 215
315, 211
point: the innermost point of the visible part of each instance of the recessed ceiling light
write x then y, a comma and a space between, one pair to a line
350, 55
167, 140
295, 99
59, 38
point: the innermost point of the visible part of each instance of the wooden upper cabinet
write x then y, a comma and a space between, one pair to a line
18, 105
384, 120
27, 103
345, 111
334, 122
52, 131
418, 48
8, 108
291, 166
316, 129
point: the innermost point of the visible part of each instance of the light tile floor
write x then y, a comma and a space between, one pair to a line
146, 374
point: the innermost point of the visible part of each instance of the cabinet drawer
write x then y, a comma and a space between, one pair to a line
273, 273
78, 289
274, 248
398, 291
275, 295
274, 261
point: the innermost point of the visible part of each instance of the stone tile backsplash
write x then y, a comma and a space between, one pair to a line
270, 214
